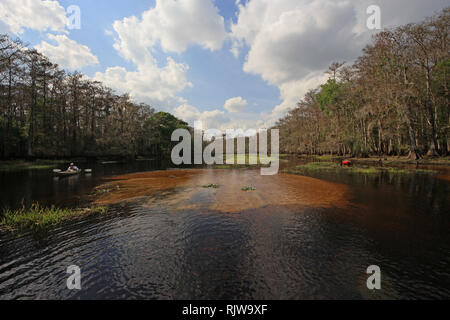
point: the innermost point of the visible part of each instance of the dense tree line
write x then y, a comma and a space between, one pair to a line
48, 112
393, 100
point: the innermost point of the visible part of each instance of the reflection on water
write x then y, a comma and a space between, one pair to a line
28, 186
292, 238
281, 189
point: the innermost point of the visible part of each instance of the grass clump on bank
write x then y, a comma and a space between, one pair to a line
38, 217
317, 166
394, 160
327, 166
248, 189
325, 157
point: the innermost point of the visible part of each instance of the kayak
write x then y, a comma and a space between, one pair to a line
68, 173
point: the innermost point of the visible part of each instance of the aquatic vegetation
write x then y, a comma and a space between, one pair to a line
248, 189
325, 157
395, 160
327, 166
104, 189
313, 166
213, 186
38, 217
224, 166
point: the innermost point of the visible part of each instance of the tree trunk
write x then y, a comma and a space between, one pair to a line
429, 106
32, 116
413, 153
380, 138
390, 147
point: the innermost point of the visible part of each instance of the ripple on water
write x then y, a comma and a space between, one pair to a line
282, 241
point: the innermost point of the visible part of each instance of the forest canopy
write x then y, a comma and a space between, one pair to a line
393, 100
48, 112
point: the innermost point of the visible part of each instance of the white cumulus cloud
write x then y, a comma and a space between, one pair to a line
291, 43
211, 119
237, 104
218, 119
151, 84
174, 25
41, 15
67, 52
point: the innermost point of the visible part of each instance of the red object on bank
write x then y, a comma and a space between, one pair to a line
346, 163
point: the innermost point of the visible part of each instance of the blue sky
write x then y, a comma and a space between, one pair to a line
216, 76
229, 63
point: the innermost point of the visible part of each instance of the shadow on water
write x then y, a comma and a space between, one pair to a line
292, 238
27, 186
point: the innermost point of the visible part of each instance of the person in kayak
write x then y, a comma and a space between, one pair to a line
73, 168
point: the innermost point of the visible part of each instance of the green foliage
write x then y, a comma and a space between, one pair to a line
328, 95
318, 166
393, 100
48, 112
38, 218
160, 127
314, 167
325, 157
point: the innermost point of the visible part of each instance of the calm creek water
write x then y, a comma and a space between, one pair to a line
293, 237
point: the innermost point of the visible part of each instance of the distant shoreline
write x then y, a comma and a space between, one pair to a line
386, 160
37, 164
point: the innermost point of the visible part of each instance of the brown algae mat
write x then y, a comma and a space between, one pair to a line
188, 189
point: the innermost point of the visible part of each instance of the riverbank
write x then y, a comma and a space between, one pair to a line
375, 160
356, 169
17, 165
41, 164
37, 218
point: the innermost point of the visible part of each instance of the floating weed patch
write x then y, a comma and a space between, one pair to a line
105, 189
211, 186
37, 217
248, 189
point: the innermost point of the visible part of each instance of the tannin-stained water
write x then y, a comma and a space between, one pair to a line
294, 237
